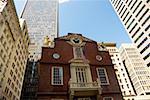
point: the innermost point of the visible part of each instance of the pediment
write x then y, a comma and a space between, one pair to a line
76, 35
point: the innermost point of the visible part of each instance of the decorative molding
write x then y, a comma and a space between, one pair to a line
71, 35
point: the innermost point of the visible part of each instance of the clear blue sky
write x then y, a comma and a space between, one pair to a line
95, 19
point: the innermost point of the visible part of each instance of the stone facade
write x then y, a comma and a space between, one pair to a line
14, 41
42, 20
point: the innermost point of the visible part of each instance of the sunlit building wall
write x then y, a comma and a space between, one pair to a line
121, 73
138, 73
42, 20
135, 16
14, 43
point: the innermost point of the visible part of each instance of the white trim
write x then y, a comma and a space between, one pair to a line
105, 76
83, 70
60, 68
108, 98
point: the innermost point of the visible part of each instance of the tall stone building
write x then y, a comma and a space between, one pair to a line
42, 20
121, 72
135, 16
74, 69
14, 41
139, 74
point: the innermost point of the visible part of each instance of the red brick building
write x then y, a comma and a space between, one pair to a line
74, 69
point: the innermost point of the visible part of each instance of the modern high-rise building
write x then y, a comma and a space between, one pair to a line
121, 73
42, 20
135, 16
138, 73
14, 41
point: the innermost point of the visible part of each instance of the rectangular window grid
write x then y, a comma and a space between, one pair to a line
57, 76
102, 75
81, 75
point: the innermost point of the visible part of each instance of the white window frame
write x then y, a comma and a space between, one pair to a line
85, 77
52, 81
105, 76
108, 98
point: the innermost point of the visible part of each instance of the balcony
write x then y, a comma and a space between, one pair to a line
84, 89
89, 85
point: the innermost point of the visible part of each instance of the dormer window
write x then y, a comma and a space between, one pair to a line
78, 52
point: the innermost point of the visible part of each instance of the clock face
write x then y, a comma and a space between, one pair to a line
56, 56
98, 57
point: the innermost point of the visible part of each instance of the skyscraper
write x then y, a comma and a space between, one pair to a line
135, 16
14, 41
121, 73
139, 74
42, 20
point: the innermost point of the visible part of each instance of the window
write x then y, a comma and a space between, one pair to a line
118, 3
139, 37
125, 16
9, 81
129, 3
133, 28
145, 48
107, 98
148, 64
125, 80
147, 27
143, 15
121, 9
130, 24
137, 7
120, 6
136, 32
128, 85
11, 72
146, 20
123, 12
57, 76
78, 52
133, 4
148, 55
81, 75
140, 10
102, 75
120, 81
10, 94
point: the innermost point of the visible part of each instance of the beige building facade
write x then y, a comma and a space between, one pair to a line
121, 73
14, 43
138, 73
42, 20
